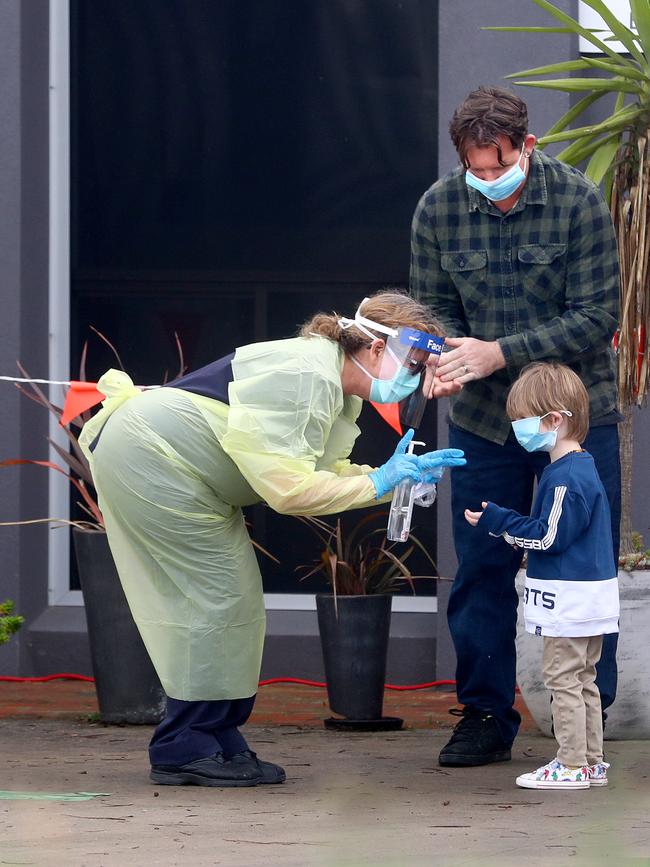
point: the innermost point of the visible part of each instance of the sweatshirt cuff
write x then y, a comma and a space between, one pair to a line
491, 519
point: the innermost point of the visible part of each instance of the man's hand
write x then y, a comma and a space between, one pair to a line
434, 386
474, 517
469, 359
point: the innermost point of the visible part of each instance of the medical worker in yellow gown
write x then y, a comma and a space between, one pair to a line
273, 422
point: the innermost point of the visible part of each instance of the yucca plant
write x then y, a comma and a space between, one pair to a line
616, 151
362, 561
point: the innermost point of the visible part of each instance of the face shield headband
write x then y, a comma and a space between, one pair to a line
407, 355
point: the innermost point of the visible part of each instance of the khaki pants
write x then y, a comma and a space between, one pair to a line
570, 673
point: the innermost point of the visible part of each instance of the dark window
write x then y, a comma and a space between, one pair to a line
237, 165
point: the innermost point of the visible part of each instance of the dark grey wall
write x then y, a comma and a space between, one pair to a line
9, 296
24, 300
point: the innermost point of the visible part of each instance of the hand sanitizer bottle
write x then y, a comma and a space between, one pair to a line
401, 507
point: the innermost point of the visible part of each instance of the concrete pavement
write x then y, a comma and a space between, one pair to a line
350, 799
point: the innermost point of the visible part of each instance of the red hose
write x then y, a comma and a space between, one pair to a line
386, 685
299, 680
46, 677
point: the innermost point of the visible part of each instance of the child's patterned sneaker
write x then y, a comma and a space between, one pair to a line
598, 774
555, 775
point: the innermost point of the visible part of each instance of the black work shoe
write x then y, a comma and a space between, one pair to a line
270, 773
476, 740
211, 771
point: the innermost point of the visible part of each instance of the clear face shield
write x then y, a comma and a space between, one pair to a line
407, 367
425, 352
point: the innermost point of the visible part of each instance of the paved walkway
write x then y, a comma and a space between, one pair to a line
349, 800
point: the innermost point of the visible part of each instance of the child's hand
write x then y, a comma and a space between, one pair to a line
474, 517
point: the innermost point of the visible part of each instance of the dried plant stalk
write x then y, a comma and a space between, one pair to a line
630, 207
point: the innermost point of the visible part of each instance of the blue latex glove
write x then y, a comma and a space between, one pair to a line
432, 477
433, 462
401, 466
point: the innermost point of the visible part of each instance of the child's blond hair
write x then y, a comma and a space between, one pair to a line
545, 387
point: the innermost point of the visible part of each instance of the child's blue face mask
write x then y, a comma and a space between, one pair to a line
500, 188
530, 435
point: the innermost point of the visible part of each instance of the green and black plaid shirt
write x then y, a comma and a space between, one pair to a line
542, 280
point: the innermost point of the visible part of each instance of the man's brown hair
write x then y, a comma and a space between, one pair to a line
483, 116
550, 387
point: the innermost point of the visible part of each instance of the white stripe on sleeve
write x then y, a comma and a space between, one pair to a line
553, 521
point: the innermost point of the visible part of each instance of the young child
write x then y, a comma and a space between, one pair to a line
571, 589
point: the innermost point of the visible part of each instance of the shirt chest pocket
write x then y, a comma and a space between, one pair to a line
542, 274
467, 269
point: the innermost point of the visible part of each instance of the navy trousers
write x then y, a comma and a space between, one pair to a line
482, 610
198, 729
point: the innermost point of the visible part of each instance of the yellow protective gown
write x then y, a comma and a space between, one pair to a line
172, 471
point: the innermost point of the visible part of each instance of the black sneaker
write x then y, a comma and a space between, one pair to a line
476, 740
212, 771
270, 773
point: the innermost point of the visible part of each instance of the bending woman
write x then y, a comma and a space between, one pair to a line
273, 422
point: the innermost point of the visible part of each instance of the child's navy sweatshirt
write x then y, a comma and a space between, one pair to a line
571, 578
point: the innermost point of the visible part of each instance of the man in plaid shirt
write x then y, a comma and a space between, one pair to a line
516, 253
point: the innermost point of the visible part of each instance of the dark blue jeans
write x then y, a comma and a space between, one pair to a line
482, 610
198, 729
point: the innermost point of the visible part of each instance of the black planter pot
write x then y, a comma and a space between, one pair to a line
354, 640
128, 689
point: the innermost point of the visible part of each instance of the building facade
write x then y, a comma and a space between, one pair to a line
166, 165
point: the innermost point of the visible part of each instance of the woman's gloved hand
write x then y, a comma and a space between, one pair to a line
401, 466
432, 477
432, 464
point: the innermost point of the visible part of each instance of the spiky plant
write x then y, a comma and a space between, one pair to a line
10, 623
74, 465
617, 151
362, 561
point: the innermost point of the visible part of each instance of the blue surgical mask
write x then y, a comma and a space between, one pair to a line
531, 437
502, 187
399, 387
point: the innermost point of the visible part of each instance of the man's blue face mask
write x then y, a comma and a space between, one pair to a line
502, 187
531, 437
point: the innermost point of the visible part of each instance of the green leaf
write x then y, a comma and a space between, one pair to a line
573, 25
622, 33
616, 121
565, 66
617, 69
574, 112
576, 85
607, 191
602, 159
580, 150
641, 16
620, 102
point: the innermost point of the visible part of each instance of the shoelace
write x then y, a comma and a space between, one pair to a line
469, 726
